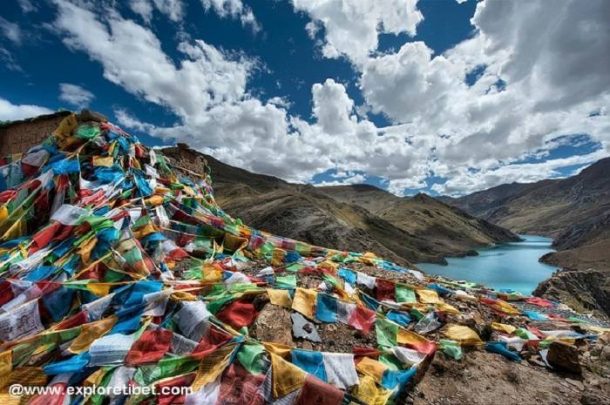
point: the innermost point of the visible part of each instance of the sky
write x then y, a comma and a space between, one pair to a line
438, 96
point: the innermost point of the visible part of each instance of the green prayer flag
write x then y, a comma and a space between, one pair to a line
288, 282
405, 294
386, 332
251, 357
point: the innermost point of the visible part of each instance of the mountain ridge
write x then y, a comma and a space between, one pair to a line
575, 212
310, 213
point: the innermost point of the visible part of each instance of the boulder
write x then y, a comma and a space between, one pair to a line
564, 357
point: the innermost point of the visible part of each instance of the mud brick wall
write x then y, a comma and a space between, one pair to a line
19, 136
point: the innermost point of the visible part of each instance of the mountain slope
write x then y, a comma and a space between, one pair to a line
570, 210
445, 228
311, 214
575, 212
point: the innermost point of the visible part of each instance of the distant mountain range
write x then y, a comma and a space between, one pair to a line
358, 218
575, 212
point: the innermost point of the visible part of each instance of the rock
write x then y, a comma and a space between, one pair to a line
273, 325
576, 383
88, 115
564, 357
303, 328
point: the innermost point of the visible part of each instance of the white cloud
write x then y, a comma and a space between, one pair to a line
12, 112
464, 182
353, 26
75, 95
11, 31
440, 125
144, 8
233, 9
332, 107
172, 9
26, 6
132, 57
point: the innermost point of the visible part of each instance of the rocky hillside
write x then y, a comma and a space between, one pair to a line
444, 228
575, 212
417, 230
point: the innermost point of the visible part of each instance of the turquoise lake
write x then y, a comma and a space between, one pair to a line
511, 265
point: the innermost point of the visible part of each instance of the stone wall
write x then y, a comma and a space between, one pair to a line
19, 136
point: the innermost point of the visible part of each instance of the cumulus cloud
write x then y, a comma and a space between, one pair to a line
75, 95
353, 26
12, 112
473, 134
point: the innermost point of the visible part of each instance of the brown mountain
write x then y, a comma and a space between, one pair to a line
445, 229
575, 212
322, 216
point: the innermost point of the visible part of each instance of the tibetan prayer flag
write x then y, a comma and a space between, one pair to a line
310, 361
501, 327
340, 369
150, 347
415, 341
428, 296
318, 392
405, 294
280, 298
304, 301
462, 334
285, 376
384, 290
240, 387
362, 318
326, 308
372, 368
386, 332
238, 314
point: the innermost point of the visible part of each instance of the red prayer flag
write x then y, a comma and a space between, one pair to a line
240, 387
238, 314
317, 392
150, 348
362, 319
385, 290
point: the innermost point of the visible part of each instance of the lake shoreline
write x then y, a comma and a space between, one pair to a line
510, 265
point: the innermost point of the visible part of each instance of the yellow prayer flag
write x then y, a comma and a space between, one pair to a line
278, 348
506, 307
372, 368
66, 127
95, 378
17, 229
368, 392
304, 301
86, 248
428, 296
90, 332
234, 243
183, 296
213, 365
154, 200
3, 213
144, 230
105, 161
211, 273
501, 327
280, 298
285, 376
99, 289
450, 309
462, 334
6, 362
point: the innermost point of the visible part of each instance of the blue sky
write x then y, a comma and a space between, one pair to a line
433, 96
